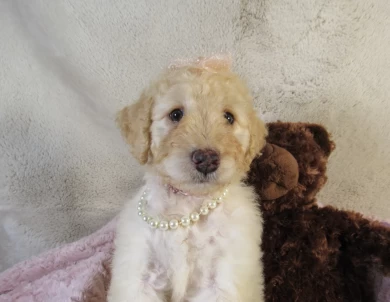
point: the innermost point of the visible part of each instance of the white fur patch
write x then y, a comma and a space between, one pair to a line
216, 259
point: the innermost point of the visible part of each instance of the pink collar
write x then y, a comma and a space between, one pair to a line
177, 191
181, 192
184, 193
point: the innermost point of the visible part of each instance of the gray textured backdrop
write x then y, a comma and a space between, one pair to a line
68, 66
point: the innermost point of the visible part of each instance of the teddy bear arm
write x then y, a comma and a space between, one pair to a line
368, 241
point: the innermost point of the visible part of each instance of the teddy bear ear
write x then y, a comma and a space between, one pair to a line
322, 138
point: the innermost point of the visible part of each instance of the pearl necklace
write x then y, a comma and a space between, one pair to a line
173, 224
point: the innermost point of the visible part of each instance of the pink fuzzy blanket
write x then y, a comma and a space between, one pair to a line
80, 271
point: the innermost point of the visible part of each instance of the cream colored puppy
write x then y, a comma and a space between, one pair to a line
193, 232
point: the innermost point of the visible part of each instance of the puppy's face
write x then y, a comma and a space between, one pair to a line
195, 128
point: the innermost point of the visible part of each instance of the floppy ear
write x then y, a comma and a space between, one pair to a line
134, 122
258, 134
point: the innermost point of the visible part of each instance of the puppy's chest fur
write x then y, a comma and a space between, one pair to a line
191, 252
195, 253
221, 249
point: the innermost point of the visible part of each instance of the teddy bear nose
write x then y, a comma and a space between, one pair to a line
206, 160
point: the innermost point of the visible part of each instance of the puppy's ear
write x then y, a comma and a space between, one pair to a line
134, 122
258, 134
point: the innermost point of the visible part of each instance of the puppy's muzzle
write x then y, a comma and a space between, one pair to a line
205, 160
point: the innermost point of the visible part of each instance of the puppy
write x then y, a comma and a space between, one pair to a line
193, 231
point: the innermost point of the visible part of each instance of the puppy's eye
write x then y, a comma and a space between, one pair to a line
229, 117
176, 115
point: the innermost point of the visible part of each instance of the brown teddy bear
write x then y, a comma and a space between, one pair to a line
312, 253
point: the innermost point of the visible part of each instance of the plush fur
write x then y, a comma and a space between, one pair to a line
218, 258
312, 253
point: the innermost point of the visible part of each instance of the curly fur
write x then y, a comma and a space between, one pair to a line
218, 258
313, 253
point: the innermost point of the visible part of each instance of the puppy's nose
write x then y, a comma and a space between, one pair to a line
205, 160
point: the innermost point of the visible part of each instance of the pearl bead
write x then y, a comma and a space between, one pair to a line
173, 224
204, 210
185, 221
153, 223
212, 204
194, 216
163, 225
